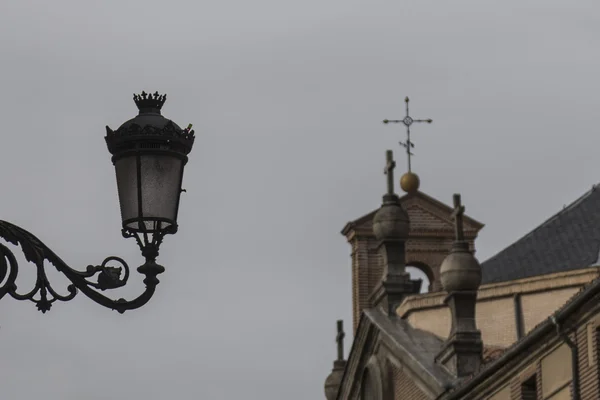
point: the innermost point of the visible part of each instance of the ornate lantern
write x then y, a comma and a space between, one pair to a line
149, 154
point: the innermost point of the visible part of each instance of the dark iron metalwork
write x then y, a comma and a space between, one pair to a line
407, 121
108, 277
148, 134
149, 139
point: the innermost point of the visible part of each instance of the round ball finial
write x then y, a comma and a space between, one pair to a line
409, 182
460, 270
391, 221
333, 381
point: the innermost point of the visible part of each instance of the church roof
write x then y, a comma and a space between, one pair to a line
568, 240
416, 348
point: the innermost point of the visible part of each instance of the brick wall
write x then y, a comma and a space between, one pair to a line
367, 266
551, 364
405, 388
495, 312
435, 320
587, 341
496, 320
366, 273
538, 306
430, 240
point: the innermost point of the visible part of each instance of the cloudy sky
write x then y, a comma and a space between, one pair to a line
287, 100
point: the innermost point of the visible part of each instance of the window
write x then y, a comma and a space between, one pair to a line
529, 389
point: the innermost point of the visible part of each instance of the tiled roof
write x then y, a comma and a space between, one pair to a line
567, 241
490, 353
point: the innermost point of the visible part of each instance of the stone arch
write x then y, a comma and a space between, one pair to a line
388, 387
425, 269
371, 386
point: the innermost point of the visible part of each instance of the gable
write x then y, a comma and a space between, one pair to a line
427, 216
385, 338
423, 219
360, 351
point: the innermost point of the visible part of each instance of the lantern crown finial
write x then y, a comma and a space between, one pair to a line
149, 102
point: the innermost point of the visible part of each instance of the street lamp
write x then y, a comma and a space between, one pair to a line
149, 153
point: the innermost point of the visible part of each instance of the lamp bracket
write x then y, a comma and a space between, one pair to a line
108, 277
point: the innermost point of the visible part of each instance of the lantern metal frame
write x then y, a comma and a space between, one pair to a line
131, 138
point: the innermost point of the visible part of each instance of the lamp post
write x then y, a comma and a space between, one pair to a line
149, 153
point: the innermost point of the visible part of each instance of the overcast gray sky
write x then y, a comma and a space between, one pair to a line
287, 100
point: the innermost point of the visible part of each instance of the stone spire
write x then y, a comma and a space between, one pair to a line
461, 276
391, 227
333, 381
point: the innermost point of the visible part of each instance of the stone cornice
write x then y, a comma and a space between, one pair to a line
428, 204
364, 233
559, 280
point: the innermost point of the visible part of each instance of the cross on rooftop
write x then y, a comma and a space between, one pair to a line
407, 121
340, 339
457, 216
389, 170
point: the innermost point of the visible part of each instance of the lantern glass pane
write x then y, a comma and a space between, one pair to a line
161, 187
127, 185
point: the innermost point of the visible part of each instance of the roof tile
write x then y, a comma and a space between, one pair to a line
569, 240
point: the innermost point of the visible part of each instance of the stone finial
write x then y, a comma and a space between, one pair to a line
460, 270
457, 216
461, 276
391, 229
390, 221
333, 381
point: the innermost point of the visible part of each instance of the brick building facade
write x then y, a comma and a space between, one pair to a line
535, 305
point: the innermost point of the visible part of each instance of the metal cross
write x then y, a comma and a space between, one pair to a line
407, 121
457, 216
389, 170
340, 339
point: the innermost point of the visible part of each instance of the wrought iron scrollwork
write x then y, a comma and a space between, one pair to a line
107, 277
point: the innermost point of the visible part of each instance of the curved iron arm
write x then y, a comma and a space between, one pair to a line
108, 277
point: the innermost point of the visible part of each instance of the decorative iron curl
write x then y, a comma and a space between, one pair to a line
108, 277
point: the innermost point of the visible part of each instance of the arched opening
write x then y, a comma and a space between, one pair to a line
366, 387
371, 385
419, 270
